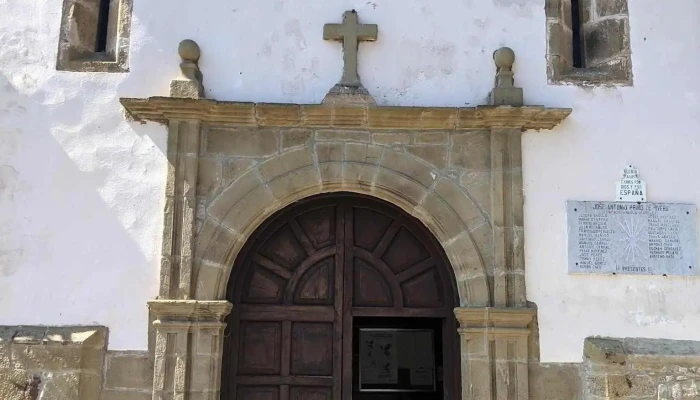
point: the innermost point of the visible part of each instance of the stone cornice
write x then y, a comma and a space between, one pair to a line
492, 317
163, 109
189, 310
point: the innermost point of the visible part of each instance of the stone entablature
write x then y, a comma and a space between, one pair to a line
270, 115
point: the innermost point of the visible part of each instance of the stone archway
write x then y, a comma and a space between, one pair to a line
398, 178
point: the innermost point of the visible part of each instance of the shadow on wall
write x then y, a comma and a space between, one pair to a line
78, 219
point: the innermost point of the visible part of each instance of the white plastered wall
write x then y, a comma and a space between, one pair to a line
81, 190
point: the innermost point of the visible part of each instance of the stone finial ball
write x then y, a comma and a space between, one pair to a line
504, 57
189, 50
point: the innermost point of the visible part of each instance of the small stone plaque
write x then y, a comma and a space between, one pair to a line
632, 238
631, 188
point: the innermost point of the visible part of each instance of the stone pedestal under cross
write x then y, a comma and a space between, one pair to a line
350, 32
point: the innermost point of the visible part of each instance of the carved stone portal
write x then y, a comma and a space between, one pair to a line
457, 170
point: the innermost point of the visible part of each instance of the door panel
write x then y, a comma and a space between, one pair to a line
312, 349
303, 278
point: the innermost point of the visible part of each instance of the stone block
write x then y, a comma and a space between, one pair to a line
248, 209
555, 381
679, 389
331, 173
46, 358
304, 178
478, 185
389, 138
233, 169
287, 162
560, 42
129, 370
64, 386
553, 8
483, 239
517, 200
363, 153
471, 150
186, 89
566, 15
409, 166
606, 8
82, 28
108, 394
435, 155
207, 395
606, 39
14, 384
431, 137
242, 142
209, 176
344, 135
460, 203
208, 281
278, 114
205, 234
604, 350
400, 185
479, 383
329, 152
219, 246
6, 335
233, 194
201, 370
446, 219
464, 256
295, 138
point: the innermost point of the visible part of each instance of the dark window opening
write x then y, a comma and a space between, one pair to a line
102, 26
577, 28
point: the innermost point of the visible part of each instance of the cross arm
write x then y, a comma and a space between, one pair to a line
333, 32
367, 32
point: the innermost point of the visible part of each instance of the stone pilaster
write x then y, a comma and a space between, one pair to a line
507, 218
189, 345
494, 352
180, 208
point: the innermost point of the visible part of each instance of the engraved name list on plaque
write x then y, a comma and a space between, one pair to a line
632, 238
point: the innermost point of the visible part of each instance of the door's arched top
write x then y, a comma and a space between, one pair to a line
398, 178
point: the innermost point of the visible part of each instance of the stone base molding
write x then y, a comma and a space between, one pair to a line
189, 345
47, 363
494, 345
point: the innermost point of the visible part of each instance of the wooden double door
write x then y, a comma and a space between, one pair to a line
308, 275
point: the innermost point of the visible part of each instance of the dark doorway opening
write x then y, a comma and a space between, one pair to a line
418, 359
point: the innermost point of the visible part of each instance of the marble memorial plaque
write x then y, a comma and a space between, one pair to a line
632, 238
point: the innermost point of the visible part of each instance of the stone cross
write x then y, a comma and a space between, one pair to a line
350, 32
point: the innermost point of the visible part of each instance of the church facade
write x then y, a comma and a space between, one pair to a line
293, 200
